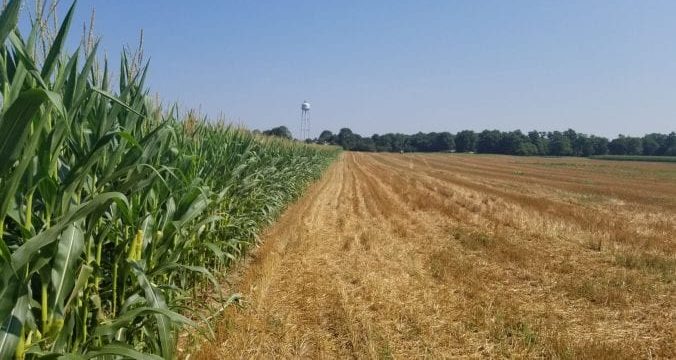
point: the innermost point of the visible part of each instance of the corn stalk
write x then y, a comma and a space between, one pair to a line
112, 211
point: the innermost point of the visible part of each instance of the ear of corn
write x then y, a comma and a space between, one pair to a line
111, 209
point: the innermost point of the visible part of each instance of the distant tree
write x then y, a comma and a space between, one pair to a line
419, 142
559, 144
576, 143
465, 141
489, 142
634, 146
525, 146
346, 139
326, 137
625, 145
280, 131
669, 148
653, 144
528, 149
583, 146
400, 143
364, 144
600, 145
539, 140
443, 141
382, 143
512, 143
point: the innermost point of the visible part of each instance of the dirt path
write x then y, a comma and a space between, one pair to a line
410, 256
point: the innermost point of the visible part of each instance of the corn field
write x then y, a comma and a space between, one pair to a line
113, 210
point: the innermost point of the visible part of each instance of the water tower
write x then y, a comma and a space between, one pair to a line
305, 120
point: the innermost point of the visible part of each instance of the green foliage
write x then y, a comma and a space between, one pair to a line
557, 143
465, 141
280, 131
560, 144
111, 209
488, 142
326, 137
625, 145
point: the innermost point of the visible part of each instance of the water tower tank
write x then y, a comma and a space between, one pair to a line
305, 106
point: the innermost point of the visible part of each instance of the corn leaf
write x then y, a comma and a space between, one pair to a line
57, 45
9, 19
70, 246
11, 328
15, 125
156, 300
28, 250
120, 350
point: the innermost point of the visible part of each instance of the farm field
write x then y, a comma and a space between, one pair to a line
636, 158
439, 256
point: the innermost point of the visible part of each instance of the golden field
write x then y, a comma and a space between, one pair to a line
444, 256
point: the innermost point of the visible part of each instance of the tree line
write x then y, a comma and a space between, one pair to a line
554, 143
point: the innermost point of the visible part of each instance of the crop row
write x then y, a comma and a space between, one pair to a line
111, 209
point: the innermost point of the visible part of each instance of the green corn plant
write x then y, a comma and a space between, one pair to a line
114, 212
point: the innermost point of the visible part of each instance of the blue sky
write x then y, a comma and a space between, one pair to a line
602, 67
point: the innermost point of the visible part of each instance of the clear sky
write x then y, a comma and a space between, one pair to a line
602, 67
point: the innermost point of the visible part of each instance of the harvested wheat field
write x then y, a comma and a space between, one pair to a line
444, 256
